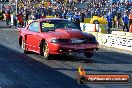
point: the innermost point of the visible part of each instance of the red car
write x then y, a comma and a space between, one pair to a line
51, 36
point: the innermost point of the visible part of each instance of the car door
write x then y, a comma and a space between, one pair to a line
33, 37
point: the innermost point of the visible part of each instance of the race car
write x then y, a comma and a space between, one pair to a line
52, 36
98, 20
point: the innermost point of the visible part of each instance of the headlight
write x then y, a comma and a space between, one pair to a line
60, 41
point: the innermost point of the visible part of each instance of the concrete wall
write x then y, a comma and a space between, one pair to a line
123, 42
117, 39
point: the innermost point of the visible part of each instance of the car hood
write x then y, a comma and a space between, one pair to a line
66, 33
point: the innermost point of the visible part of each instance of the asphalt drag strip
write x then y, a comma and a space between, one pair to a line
24, 72
103, 62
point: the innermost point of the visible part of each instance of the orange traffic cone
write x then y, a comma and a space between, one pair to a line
95, 28
130, 30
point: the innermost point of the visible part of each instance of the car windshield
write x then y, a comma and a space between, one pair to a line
55, 24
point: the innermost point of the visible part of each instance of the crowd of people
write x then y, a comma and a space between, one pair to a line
36, 9
67, 9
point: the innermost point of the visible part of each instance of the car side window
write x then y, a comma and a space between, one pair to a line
34, 27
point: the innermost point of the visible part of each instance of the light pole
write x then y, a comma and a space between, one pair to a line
16, 5
1, 6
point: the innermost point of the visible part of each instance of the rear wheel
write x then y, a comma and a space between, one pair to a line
23, 46
88, 54
46, 54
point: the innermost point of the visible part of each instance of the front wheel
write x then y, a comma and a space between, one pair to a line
46, 54
88, 54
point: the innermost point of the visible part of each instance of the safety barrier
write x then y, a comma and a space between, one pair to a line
115, 40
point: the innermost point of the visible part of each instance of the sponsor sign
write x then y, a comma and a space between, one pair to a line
116, 41
107, 78
83, 78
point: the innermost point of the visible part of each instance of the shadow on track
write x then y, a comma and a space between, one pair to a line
73, 58
102, 71
98, 57
112, 58
17, 70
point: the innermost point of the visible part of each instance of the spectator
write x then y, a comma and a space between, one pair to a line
125, 20
130, 18
27, 15
114, 20
64, 14
77, 20
59, 7
82, 16
43, 16
20, 20
118, 19
109, 19
14, 20
7, 18
36, 15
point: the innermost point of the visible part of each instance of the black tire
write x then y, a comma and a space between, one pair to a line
96, 22
45, 52
88, 54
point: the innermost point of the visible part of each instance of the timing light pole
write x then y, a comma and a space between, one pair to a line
1, 6
16, 6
